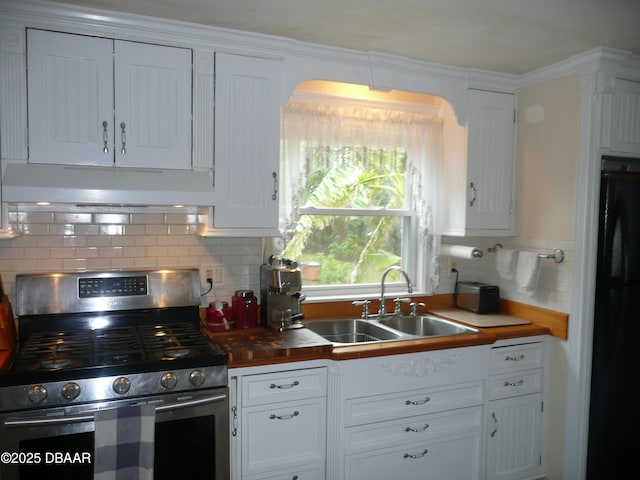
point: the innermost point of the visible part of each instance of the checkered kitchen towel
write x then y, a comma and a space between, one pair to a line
124, 443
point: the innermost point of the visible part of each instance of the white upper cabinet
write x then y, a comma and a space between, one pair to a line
97, 101
480, 178
247, 144
624, 125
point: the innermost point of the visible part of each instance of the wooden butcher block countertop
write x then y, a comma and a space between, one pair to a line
263, 346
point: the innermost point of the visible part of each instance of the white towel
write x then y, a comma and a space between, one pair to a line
124, 443
505, 262
527, 271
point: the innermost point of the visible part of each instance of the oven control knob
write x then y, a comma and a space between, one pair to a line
169, 380
70, 391
121, 385
196, 378
37, 394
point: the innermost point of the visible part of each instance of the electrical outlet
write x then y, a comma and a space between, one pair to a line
210, 272
451, 265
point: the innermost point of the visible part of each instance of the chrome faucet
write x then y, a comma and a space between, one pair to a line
383, 311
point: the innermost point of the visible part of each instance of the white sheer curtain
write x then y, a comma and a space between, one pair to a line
306, 125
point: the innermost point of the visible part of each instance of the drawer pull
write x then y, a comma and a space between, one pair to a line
417, 402
519, 383
417, 430
416, 455
285, 385
273, 416
495, 424
519, 358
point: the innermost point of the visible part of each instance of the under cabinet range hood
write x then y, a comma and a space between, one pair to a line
117, 186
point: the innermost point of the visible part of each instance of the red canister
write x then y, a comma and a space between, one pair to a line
219, 317
244, 308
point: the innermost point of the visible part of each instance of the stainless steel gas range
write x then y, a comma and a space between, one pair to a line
108, 340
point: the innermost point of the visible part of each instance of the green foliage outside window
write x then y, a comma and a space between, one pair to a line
350, 249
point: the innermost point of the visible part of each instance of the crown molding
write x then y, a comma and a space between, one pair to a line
622, 62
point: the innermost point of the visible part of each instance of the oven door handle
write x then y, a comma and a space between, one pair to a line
90, 417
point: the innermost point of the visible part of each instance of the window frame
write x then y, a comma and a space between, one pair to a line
414, 262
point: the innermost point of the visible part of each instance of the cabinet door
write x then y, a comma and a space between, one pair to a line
152, 106
625, 120
70, 103
490, 138
283, 435
247, 142
515, 437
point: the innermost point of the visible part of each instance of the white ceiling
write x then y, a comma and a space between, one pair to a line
510, 36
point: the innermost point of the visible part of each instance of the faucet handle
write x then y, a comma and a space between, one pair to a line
414, 307
397, 310
365, 307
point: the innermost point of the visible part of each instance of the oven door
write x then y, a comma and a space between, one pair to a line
191, 438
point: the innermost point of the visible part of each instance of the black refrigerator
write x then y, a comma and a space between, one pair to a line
614, 416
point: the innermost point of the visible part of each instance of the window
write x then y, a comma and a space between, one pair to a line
355, 193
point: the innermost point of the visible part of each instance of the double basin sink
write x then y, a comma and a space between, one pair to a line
356, 331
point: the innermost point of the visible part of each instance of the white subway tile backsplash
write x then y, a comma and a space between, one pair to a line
70, 240
71, 217
62, 229
110, 218
86, 229
74, 241
157, 229
111, 229
74, 264
35, 228
135, 229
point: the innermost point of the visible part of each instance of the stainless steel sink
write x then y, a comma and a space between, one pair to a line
350, 331
426, 326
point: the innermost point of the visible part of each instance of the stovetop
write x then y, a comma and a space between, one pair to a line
51, 356
102, 336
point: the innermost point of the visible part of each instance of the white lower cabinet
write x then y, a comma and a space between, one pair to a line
471, 413
515, 413
280, 423
413, 416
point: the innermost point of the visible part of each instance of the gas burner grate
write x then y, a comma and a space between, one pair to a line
172, 341
117, 346
55, 351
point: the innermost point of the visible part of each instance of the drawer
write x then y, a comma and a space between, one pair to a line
513, 384
451, 458
283, 386
283, 435
413, 429
301, 473
515, 358
378, 408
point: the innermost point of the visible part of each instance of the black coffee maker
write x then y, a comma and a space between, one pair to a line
280, 293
